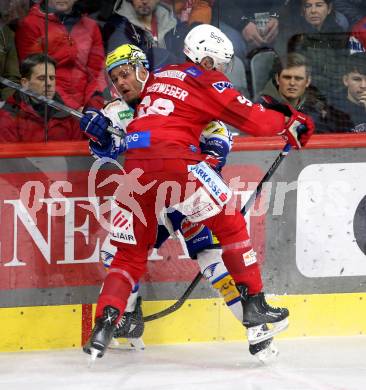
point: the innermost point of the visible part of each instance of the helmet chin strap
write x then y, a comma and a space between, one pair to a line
138, 78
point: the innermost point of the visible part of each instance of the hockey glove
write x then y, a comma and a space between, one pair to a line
95, 125
216, 142
299, 128
112, 150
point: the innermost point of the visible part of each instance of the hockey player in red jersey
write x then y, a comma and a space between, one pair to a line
215, 140
177, 102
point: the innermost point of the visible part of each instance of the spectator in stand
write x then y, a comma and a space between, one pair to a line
191, 11
357, 39
23, 118
292, 85
314, 32
9, 65
353, 99
194, 12
154, 28
353, 10
256, 22
148, 25
74, 41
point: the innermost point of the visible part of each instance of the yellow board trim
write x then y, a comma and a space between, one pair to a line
199, 320
41, 327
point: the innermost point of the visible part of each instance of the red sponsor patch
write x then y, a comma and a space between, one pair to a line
223, 197
121, 221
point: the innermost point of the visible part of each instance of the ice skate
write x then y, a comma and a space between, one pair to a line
257, 312
265, 351
102, 333
131, 326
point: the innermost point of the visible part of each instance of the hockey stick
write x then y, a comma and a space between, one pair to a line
244, 210
52, 103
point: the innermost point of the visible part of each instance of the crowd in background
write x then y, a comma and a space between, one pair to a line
307, 53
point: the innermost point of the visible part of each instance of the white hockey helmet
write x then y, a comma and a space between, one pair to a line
208, 41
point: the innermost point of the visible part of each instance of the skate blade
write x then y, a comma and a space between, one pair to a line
256, 334
92, 357
138, 344
267, 355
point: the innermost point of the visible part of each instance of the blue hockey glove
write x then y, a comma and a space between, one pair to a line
95, 125
215, 142
113, 149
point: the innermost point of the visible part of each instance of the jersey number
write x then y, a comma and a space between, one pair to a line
158, 107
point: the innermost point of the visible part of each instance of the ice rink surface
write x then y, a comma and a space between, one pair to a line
303, 364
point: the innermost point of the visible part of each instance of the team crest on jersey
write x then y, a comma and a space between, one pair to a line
193, 71
220, 86
190, 229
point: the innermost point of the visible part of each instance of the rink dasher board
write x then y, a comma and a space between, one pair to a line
333, 295
199, 320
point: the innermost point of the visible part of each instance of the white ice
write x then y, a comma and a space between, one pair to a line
303, 364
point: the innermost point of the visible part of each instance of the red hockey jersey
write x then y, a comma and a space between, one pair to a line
178, 101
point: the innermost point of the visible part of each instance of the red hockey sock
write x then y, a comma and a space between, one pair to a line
249, 275
115, 292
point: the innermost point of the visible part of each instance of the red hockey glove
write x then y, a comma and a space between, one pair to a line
299, 128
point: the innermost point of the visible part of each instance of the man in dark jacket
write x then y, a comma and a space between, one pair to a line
291, 85
352, 101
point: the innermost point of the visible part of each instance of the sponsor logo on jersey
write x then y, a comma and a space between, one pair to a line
221, 86
172, 74
212, 182
198, 209
121, 221
223, 197
199, 239
226, 285
199, 206
138, 140
243, 100
250, 258
127, 114
193, 71
122, 226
